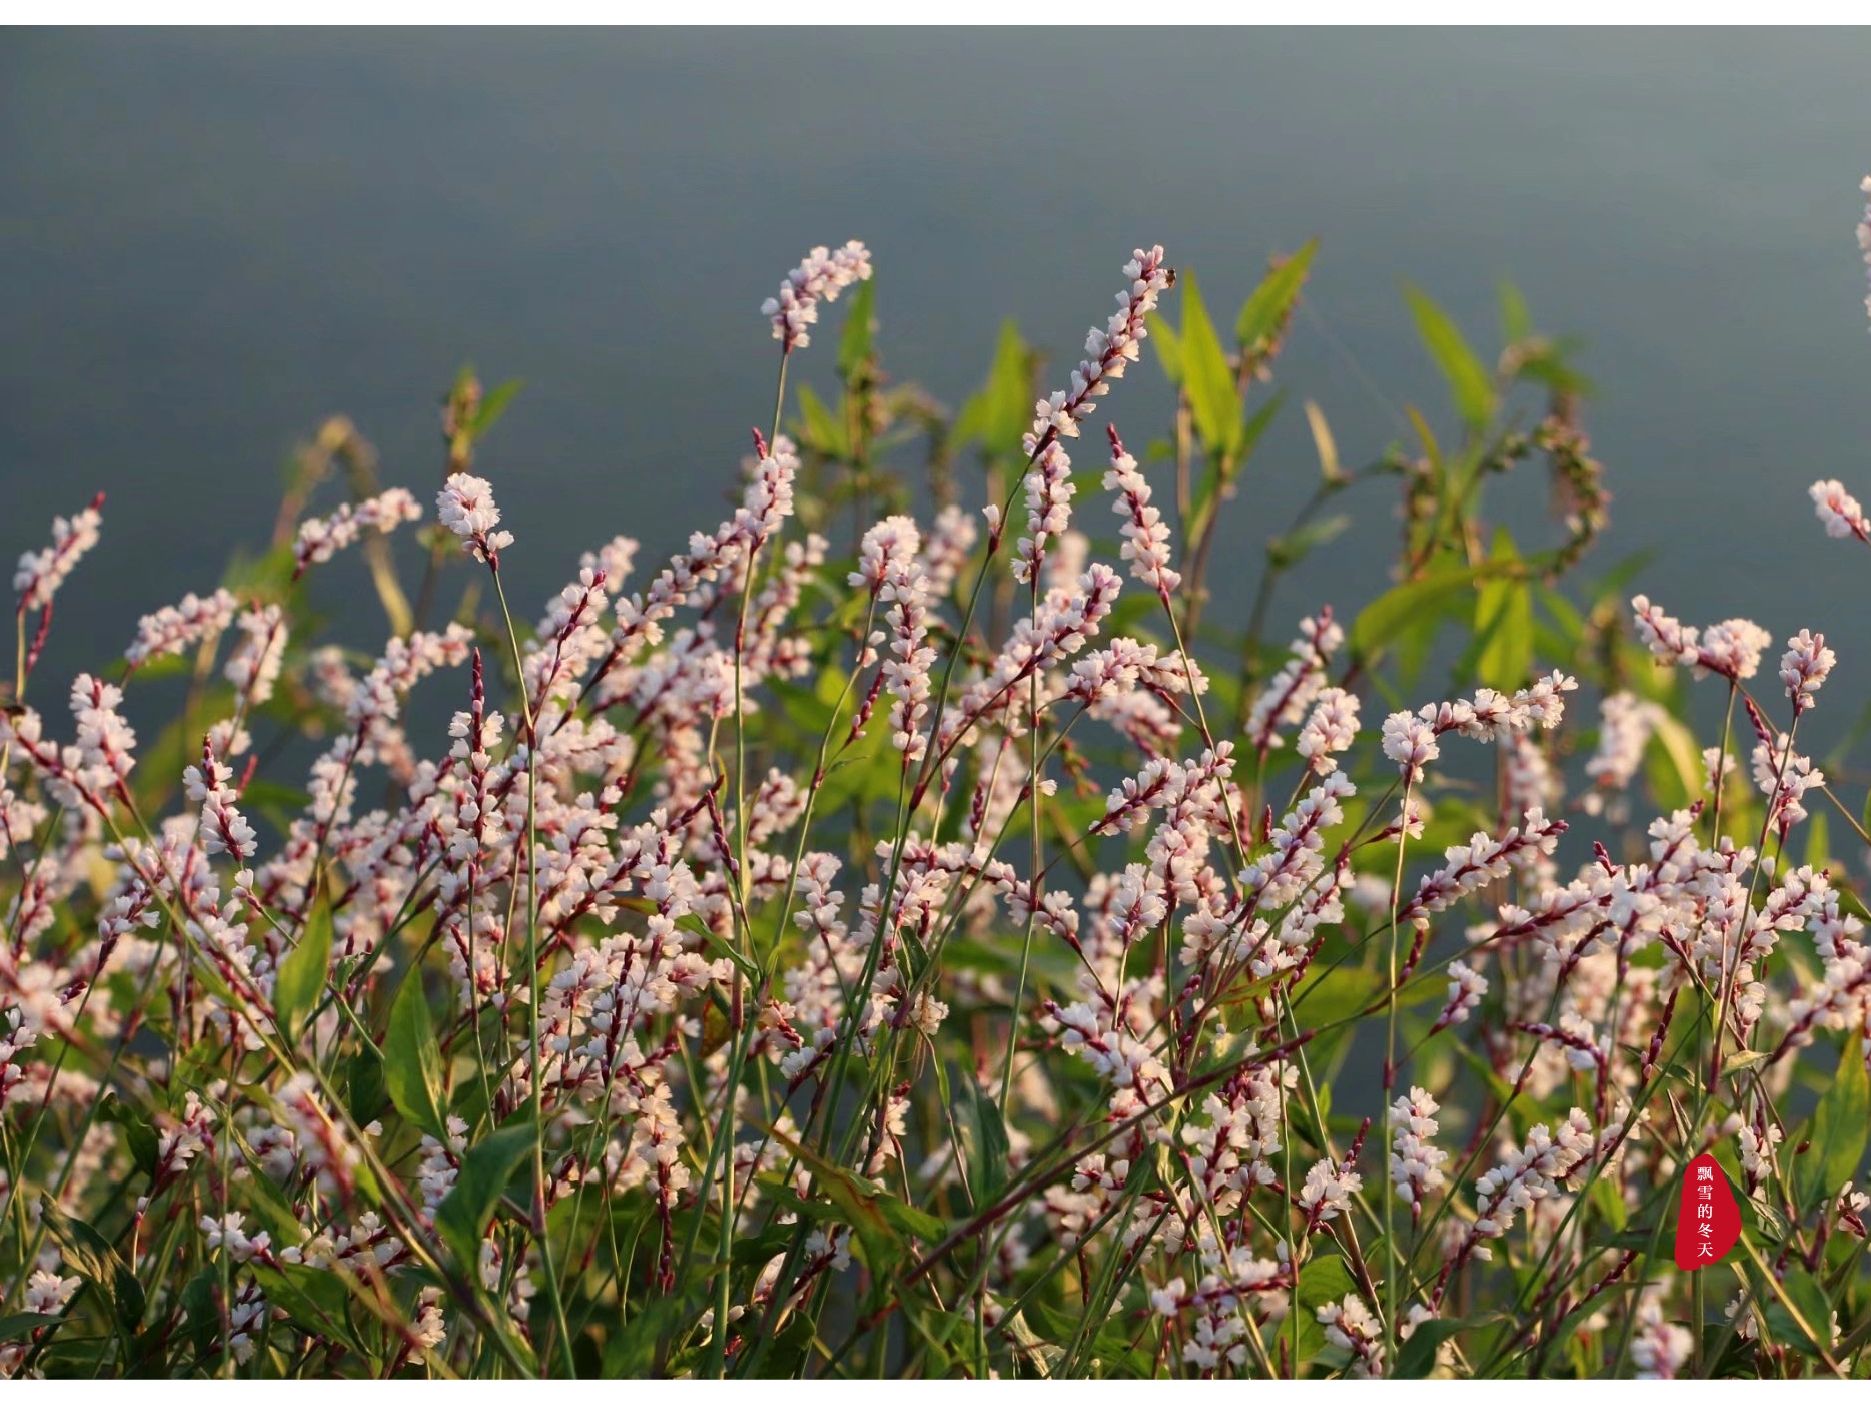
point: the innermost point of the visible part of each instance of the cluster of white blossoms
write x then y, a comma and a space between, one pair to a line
1416, 1160
1838, 511
175, 628
1730, 649
320, 538
820, 278
1298, 683
1413, 739
39, 573
1108, 351
1146, 535
465, 505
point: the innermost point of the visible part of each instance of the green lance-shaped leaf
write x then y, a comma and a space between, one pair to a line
87, 1253
302, 973
463, 1216
1270, 304
1206, 378
854, 346
1470, 385
412, 1061
998, 413
1504, 622
986, 1135
1839, 1126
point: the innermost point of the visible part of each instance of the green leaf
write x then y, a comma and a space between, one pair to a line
1683, 779
412, 1061
1206, 378
1168, 346
997, 414
631, 1351
1418, 1355
463, 1216
854, 1202
987, 1145
317, 1299
1741, 1060
138, 1132
1325, 445
925, 1227
94, 1259
13, 1327
1818, 848
302, 973
1416, 604
1270, 304
1470, 385
1333, 995
198, 1309
1809, 1300
1218, 480
1838, 1130
1322, 1280
1284, 552
1516, 320
854, 347
821, 429
494, 404
1504, 623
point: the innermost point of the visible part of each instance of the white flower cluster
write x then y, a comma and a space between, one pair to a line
1298, 682
40, 572
1350, 1325
819, 278
1330, 730
1412, 739
1805, 667
1730, 649
1049, 493
465, 505
1107, 351
1483, 860
1146, 535
175, 628
1328, 1190
1525, 1176
1838, 511
1415, 1161
1625, 724
223, 829
322, 537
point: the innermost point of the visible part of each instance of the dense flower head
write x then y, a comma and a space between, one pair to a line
39, 573
1805, 667
320, 538
175, 628
1107, 351
1730, 649
822, 275
1838, 511
1146, 535
465, 505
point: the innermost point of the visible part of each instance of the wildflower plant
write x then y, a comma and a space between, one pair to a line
913, 931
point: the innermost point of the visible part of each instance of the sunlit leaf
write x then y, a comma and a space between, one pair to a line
1470, 385
301, 977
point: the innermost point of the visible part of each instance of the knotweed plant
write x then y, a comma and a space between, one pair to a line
916, 930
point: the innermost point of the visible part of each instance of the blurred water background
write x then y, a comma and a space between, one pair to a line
211, 241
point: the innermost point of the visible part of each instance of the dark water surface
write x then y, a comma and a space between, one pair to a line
208, 242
